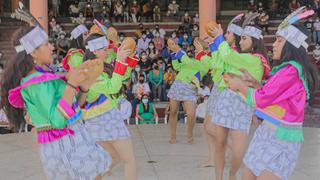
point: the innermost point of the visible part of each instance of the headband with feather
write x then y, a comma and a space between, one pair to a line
292, 34
248, 26
232, 27
35, 37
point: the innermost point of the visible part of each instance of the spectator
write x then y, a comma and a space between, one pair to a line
135, 12
147, 11
126, 17
62, 45
186, 20
88, 10
316, 6
118, 11
143, 42
264, 21
121, 38
156, 14
152, 52
146, 112
139, 31
252, 6
260, 7
161, 63
316, 53
156, 80
185, 40
202, 108
149, 34
106, 11
159, 30
74, 10
139, 89
53, 27
196, 19
158, 41
55, 7
173, 9
274, 9
168, 78
174, 37
309, 25
145, 63
165, 54
134, 78
195, 31
294, 5
316, 30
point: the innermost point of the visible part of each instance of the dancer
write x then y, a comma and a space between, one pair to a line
233, 37
103, 117
66, 148
274, 150
184, 89
230, 113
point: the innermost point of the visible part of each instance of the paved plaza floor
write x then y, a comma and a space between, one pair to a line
157, 160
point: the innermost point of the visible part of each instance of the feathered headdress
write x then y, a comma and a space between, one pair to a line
292, 34
232, 27
35, 37
248, 26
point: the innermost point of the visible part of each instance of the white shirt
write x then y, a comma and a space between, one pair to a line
202, 109
316, 26
204, 92
316, 54
141, 88
143, 44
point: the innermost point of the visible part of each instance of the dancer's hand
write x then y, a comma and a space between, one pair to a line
197, 45
250, 80
233, 82
122, 54
172, 45
214, 31
75, 76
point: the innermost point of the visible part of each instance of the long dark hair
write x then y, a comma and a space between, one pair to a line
310, 72
15, 69
77, 43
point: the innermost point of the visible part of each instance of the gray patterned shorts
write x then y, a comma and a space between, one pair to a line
75, 157
229, 110
181, 91
266, 152
108, 126
211, 101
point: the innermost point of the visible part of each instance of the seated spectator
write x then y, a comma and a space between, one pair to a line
139, 89
158, 42
162, 64
147, 11
316, 6
174, 37
165, 54
74, 10
62, 45
88, 10
316, 30
195, 31
156, 80
55, 7
264, 21
52, 29
138, 33
146, 112
156, 14
135, 12
260, 7
196, 19
118, 12
252, 6
185, 40
145, 63
294, 5
143, 42
202, 108
134, 78
106, 10
309, 25
159, 30
274, 9
149, 33
152, 52
125, 108
316, 53
126, 17
173, 9
186, 20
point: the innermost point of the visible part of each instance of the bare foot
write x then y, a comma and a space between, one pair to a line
208, 163
190, 140
173, 141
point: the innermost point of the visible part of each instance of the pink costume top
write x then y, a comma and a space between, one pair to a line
282, 99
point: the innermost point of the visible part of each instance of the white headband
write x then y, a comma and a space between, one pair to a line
98, 43
235, 29
76, 32
32, 40
252, 32
294, 36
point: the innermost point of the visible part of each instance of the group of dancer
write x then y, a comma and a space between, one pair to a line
81, 128
247, 90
